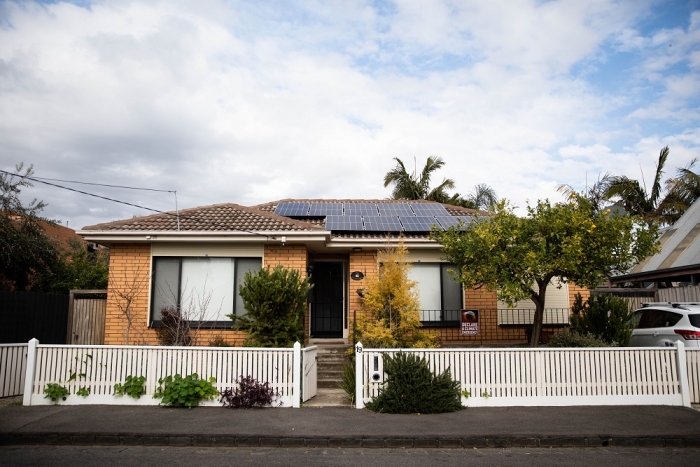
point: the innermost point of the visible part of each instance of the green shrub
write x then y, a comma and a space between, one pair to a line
347, 380
575, 339
606, 316
218, 341
412, 388
55, 391
133, 386
275, 301
185, 392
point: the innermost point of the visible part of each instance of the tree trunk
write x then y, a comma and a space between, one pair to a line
538, 298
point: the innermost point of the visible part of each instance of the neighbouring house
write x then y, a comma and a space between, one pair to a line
163, 259
675, 267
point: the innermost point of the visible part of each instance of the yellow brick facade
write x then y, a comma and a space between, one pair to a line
130, 273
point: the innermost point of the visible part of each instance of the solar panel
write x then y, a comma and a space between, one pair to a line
325, 209
395, 209
382, 224
429, 209
361, 209
346, 223
418, 223
292, 209
453, 221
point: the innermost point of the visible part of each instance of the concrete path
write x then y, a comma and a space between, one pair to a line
328, 427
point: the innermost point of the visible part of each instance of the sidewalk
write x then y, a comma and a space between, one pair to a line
344, 427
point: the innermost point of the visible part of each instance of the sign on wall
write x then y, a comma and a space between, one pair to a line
470, 322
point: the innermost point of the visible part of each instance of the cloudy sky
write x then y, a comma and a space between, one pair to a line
254, 101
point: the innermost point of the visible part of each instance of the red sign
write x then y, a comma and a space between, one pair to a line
470, 322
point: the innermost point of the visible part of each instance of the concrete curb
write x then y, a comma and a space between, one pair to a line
108, 439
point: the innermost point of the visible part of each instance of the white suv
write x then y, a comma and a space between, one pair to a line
664, 324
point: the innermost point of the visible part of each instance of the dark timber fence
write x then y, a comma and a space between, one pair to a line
27, 315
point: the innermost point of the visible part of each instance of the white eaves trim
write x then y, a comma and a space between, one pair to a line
149, 236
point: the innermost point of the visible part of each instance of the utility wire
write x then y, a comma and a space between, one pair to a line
176, 215
102, 184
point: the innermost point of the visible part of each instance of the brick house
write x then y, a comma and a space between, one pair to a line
159, 259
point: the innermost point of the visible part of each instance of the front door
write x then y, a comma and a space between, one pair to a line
327, 300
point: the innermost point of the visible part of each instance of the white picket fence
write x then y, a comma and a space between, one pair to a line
309, 385
693, 358
98, 368
549, 377
13, 364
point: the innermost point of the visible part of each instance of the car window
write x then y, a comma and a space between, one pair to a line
694, 320
651, 318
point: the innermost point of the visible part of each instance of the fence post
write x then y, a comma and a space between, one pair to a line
296, 376
359, 373
683, 373
29, 375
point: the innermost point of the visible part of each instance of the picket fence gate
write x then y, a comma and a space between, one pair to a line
13, 366
98, 368
550, 377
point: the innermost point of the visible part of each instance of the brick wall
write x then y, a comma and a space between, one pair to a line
366, 262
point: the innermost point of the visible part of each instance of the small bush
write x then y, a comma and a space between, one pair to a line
185, 392
606, 316
219, 341
576, 339
412, 388
174, 327
347, 381
133, 386
55, 391
275, 301
249, 394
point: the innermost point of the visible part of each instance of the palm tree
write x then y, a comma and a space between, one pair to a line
633, 197
683, 191
414, 186
595, 194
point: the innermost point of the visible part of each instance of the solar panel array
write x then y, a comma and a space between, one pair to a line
375, 217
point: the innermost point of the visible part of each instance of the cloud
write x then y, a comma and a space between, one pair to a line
256, 101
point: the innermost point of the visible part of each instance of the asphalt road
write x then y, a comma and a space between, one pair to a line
71, 456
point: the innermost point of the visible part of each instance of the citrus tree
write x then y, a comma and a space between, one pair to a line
519, 256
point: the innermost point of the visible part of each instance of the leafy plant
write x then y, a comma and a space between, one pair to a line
606, 316
55, 391
250, 393
80, 366
412, 388
185, 392
576, 339
485, 395
83, 391
133, 386
275, 300
466, 393
347, 380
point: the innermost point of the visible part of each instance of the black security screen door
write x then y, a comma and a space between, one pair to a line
327, 300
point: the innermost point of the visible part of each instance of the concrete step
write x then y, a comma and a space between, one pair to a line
328, 383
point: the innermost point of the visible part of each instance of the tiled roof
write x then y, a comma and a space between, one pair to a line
214, 218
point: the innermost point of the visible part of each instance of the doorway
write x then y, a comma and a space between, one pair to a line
327, 299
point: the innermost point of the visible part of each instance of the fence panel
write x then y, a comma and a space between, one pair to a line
29, 315
693, 362
309, 382
679, 294
13, 366
539, 377
86, 318
99, 368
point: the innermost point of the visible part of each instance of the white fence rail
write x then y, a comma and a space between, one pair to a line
99, 368
13, 364
309, 385
693, 358
540, 377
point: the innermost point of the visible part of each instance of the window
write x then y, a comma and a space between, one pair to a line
650, 318
439, 294
208, 287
